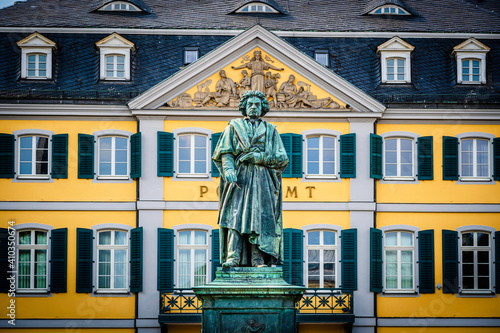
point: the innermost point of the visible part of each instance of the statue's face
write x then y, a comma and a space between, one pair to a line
254, 107
257, 55
222, 74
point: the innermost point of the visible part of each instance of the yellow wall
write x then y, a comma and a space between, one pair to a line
438, 190
320, 328
205, 190
71, 304
179, 328
71, 189
438, 304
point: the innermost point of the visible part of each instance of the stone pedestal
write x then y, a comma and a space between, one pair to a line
249, 299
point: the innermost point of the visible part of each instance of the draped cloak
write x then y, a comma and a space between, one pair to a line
253, 209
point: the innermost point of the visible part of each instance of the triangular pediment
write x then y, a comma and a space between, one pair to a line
395, 44
201, 84
471, 45
116, 41
36, 40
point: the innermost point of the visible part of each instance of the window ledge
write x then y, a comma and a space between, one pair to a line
32, 292
36, 78
186, 175
113, 292
396, 82
476, 292
406, 292
473, 179
321, 177
33, 177
113, 177
114, 79
399, 178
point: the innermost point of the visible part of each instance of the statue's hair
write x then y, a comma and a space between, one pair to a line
242, 106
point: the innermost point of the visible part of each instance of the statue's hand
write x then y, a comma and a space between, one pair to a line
230, 176
252, 157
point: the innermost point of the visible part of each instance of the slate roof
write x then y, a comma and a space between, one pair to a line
76, 65
371, 5
312, 15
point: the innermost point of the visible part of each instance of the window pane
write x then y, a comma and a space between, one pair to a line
120, 282
313, 168
468, 239
25, 169
191, 56
313, 155
483, 269
184, 154
313, 255
406, 170
483, 239
105, 143
184, 237
390, 63
184, 141
328, 168
468, 269
40, 237
313, 269
406, 282
120, 238
483, 283
105, 238
120, 256
184, 268
391, 256
313, 238
105, 169
329, 269
406, 239
468, 283
329, 282
200, 154
25, 237
184, 167
200, 237
200, 167
104, 282
104, 256
121, 169
26, 142
329, 155
105, 155
313, 142
391, 239
328, 256
483, 256
313, 281
468, 256
328, 238
121, 156
391, 282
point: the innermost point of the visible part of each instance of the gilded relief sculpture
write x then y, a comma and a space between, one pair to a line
251, 157
257, 65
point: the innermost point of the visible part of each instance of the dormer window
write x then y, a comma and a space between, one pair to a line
395, 61
256, 7
115, 57
471, 61
389, 10
120, 6
36, 57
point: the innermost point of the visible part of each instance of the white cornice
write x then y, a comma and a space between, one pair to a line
441, 114
276, 47
208, 32
64, 110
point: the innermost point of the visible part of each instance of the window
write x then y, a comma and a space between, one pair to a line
113, 156
476, 261
193, 154
471, 61
395, 61
120, 6
115, 66
322, 259
190, 55
321, 56
398, 157
115, 57
257, 8
321, 155
389, 10
34, 156
193, 258
474, 158
113, 258
36, 57
399, 260
32, 260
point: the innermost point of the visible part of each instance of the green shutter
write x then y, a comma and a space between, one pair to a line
425, 158
165, 154
348, 155
136, 260
293, 147
60, 156
58, 260
6, 155
215, 251
135, 155
497, 262
84, 260
85, 156
426, 261
450, 262
215, 139
349, 248
450, 158
496, 158
4, 260
165, 260
375, 260
293, 256
375, 156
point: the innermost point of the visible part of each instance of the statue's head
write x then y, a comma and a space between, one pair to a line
222, 74
244, 72
251, 101
257, 54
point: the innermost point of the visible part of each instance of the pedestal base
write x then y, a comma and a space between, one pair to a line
249, 299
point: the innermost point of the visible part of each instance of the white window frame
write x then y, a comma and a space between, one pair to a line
395, 48
473, 50
36, 44
32, 132
321, 132
192, 227
322, 52
115, 64
482, 229
408, 229
401, 135
477, 136
321, 247
33, 227
34, 161
461, 68
188, 50
253, 7
110, 133
37, 68
389, 7
113, 4
112, 248
115, 45
113, 174
192, 131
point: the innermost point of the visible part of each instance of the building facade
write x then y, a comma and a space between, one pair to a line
389, 112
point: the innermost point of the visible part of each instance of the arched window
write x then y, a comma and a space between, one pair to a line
399, 263
32, 260
115, 66
192, 258
121, 7
113, 156
322, 259
112, 260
